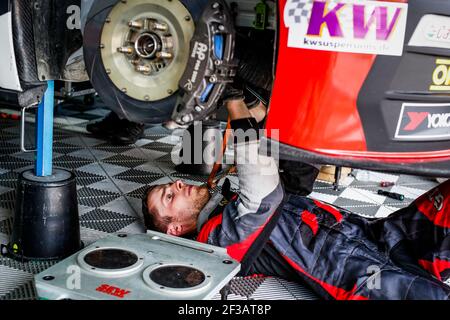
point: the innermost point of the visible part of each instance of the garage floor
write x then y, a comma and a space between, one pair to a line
111, 181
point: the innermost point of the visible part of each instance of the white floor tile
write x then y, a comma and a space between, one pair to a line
77, 129
163, 180
139, 153
98, 112
126, 186
120, 205
75, 141
136, 227
83, 153
5, 213
143, 142
91, 142
84, 209
136, 204
323, 197
150, 167
92, 154
20, 278
93, 168
22, 169
152, 154
173, 140
89, 236
4, 189
113, 169
75, 121
408, 192
105, 185
362, 195
385, 211
366, 175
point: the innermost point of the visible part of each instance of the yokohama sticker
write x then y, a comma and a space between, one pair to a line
372, 27
422, 122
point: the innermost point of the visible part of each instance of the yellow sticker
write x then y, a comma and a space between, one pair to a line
441, 76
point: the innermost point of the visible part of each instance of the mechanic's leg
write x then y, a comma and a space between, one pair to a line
418, 237
332, 250
393, 283
297, 177
116, 130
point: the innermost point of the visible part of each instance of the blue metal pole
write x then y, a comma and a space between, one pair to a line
44, 132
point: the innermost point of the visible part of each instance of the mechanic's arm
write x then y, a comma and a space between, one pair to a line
247, 222
258, 174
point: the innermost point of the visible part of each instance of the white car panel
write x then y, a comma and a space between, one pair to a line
9, 77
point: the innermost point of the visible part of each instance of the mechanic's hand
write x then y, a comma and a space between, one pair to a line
237, 109
259, 112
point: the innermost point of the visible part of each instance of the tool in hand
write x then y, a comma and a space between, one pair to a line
212, 181
386, 184
392, 195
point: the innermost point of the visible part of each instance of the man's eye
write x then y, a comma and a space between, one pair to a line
170, 196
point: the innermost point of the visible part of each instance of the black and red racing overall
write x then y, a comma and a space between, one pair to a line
337, 253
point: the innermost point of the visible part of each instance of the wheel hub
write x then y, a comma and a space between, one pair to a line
149, 45
145, 47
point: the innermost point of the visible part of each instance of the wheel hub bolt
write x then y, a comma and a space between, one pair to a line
127, 50
144, 69
164, 55
158, 26
136, 24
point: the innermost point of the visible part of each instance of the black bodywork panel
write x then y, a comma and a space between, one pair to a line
394, 81
23, 36
438, 169
4, 7
54, 41
42, 40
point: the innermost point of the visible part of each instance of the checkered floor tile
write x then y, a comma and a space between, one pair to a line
112, 179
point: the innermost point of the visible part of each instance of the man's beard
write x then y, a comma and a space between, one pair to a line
203, 198
200, 201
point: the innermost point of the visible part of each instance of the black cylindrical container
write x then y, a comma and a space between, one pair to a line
202, 142
46, 224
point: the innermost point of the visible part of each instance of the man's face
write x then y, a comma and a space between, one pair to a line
177, 205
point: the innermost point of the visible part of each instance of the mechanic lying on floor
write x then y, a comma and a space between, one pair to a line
339, 254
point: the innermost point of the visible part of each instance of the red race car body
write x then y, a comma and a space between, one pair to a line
370, 92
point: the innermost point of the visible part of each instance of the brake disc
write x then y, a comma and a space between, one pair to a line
145, 47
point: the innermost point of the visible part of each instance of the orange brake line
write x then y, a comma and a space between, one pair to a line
211, 180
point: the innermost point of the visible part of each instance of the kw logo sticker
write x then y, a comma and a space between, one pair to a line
372, 27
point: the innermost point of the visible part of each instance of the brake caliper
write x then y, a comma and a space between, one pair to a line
211, 64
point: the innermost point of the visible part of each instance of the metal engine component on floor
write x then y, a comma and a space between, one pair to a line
150, 266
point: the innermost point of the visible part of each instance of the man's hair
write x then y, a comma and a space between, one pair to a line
150, 220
